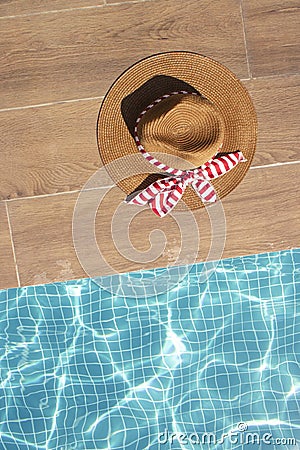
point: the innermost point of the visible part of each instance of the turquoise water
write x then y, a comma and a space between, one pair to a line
85, 368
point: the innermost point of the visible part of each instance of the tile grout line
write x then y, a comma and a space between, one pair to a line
127, 2
287, 163
59, 102
109, 186
245, 40
76, 191
74, 100
79, 8
12, 244
53, 11
283, 75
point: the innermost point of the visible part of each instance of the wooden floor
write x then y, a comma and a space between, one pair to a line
59, 58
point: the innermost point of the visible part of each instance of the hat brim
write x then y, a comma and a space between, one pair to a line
160, 74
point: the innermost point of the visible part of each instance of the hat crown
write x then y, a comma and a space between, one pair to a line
184, 125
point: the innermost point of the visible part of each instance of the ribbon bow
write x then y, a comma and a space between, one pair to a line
163, 195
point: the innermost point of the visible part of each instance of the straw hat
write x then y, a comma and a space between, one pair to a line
216, 112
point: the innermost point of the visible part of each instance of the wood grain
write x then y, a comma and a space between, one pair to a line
46, 245
78, 54
17, 7
277, 103
8, 275
50, 255
273, 36
262, 215
48, 149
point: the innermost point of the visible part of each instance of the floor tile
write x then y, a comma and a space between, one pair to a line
262, 215
46, 252
277, 102
48, 149
78, 54
42, 233
8, 275
273, 36
17, 7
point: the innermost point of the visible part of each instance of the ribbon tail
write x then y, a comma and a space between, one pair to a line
205, 190
165, 201
161, 196
220, 165
237, 155
140, 199
143, 197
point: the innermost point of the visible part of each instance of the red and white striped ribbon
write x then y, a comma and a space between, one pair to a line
163, 195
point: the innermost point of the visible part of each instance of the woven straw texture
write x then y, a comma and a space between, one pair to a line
191, 129
184, 125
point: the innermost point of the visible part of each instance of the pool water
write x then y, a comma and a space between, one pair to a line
212, 364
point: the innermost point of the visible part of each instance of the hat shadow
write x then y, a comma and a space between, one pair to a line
138, 100
133, 104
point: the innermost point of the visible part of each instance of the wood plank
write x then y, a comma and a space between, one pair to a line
17, 7
48, 149
277, 102
53, 149
262, 215
8, 275
46, 243
273, 36
78, 54
44, 246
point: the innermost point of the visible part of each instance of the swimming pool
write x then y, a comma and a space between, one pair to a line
202, 365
